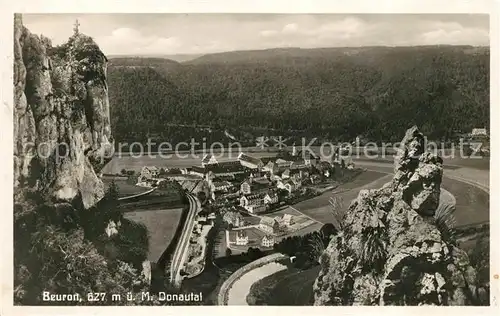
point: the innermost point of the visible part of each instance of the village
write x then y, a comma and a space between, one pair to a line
252, 196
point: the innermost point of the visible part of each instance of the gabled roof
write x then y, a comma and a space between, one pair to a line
220, 184
289, 181
266, 220
222, 167
479, 131
282, 161
266, 160
268, 237
150, 168
271, 194
254, 199
299, 163
249, 159
206, 158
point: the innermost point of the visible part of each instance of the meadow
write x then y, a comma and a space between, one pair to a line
161, 225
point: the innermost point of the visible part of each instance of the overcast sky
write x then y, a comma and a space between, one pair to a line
146, 34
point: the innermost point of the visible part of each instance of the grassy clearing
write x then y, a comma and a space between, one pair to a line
161, 225
291, 287
124, 188
319, 208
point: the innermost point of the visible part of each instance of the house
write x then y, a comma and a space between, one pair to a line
479, 132
289, 185
325, 168
271, 167
299, 164
226, 197
267, 241
245, 187
287, 219
254, 186
282, 164
227, 169
221, 186
234, 218
310, 159
271, 198
285, 174
208, 159
259, 177
315, 178
267, 224
250, 162
241, 238
149, 172
253, 203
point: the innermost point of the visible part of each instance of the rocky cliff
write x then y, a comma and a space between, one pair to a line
390, 251
61, 116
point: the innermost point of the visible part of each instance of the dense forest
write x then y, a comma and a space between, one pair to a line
334, 93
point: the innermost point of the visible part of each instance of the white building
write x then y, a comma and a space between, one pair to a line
289, 185
479, 132
208, 159
267, 241
241, 238
149, 172
253, 204
267, 224
287, 219
271, 198
250, 162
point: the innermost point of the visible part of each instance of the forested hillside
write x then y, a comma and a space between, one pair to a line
333, 92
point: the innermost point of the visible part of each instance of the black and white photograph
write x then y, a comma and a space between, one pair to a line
277, 159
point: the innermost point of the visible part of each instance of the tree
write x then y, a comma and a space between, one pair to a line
445, 220
123, 171
373, 249
339, 213
317, 245
229, 252
328, 230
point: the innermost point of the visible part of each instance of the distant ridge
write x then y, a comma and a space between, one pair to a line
325, 52
180, 58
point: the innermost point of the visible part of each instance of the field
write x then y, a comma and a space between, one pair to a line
159, 199
318, 208
161, 225
124, 188
169, 160
287, 287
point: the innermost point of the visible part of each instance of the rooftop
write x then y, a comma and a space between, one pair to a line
206, 158
266, 220
250, 159
221, 167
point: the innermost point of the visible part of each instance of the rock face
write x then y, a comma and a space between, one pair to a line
389, 250
61, 116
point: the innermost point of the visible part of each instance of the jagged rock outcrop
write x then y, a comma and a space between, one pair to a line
389, 250
61, 116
